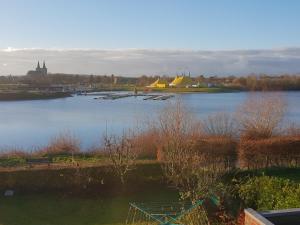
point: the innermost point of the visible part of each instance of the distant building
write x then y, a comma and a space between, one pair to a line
181, 81
38, 71
159, 83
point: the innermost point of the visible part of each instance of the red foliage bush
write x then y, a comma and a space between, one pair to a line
62, 144
221, 151
273, 151
146, 144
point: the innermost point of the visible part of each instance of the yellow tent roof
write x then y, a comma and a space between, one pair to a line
181, 81
158, 82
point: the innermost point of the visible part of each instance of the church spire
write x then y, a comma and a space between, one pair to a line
44, 65
38, 65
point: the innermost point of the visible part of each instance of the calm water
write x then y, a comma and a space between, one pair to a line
28, 124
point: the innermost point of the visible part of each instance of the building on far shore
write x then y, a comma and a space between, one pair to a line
39, 71
181, 81
159, 83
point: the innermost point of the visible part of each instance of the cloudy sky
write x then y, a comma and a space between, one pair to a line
134, 37
135, 62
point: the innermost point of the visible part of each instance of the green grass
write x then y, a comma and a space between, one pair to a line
292, 174
79, 158
12, 161
16, 161
50, 209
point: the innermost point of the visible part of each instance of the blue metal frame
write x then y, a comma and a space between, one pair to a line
172, 218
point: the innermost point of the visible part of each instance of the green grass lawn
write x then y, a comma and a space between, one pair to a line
59, 209
51, 209
292, 174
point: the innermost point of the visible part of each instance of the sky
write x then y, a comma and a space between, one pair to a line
134, 37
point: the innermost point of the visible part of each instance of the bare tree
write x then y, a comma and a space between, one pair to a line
260, 115
189, 165
175, 126
219, 124
122, 153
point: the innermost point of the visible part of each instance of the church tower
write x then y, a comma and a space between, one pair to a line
44, 69
39, 71
38, 68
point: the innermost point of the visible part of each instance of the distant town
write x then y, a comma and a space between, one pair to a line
40, 83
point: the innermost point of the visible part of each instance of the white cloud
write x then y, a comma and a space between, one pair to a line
152, 61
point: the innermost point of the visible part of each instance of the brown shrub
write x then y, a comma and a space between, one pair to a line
260, 116
122, 153
217, 151
14, 153
62, 144
219, 124
274, 151
146, 144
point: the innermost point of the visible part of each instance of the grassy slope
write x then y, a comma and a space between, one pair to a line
59, 210
292, 174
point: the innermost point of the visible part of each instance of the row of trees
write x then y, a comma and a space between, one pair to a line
250, 82
265, 83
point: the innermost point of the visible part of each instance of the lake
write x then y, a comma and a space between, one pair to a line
30, 124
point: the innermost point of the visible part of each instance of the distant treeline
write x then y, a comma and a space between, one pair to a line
251, 82
265, 83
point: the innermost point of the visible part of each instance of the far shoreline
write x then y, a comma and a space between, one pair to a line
26, 95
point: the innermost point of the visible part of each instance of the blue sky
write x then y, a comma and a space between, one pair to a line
188, 24
134, 37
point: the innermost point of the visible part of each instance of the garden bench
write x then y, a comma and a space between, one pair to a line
35, 161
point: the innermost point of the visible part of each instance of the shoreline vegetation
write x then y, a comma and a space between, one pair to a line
248, 158
43, 87
43, 95
30, 95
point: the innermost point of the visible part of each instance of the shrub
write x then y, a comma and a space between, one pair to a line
219, 124
274, 151
146, 144
12, 157
268, 193
122, 153
62, 144
260, 116
220, 151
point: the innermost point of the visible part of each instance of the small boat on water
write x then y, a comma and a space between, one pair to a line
163, 97
150, 97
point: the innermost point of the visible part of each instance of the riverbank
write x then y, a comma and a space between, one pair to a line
171, 90
196, 90
30, 95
